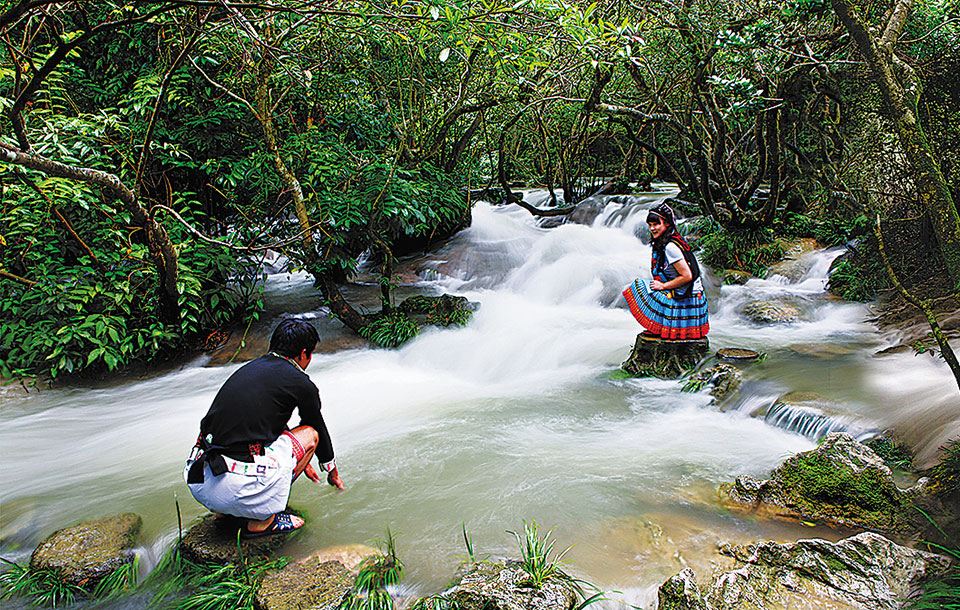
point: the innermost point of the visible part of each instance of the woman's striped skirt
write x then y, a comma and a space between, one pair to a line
665, 316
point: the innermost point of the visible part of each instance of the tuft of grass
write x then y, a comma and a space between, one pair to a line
468, 542
946, 474
535, 555
941, 592
391, 330
43, 587
375, 575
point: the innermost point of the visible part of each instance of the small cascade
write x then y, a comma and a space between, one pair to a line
813, 423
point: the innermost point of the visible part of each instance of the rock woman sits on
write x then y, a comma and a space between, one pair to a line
672, 305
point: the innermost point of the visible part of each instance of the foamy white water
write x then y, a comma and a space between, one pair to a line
515, 416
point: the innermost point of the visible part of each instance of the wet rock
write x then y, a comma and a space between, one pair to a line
312, 583
863, 572
840, 482
795, 264
349, 555
680, 592
443, 310
654, 357
504, 585
88, 552
735, 277
738, 354
723, 379
588, 210
771, 312
214, 540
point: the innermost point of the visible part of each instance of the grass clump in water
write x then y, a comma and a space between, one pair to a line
376, 573
391, 330
535, 559
48, 587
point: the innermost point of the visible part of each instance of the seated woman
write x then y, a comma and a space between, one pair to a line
671, 305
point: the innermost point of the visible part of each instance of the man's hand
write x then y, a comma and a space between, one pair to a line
311, 473
333, 478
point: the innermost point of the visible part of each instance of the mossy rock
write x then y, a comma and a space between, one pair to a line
841, 482
771, 312
794, 264
214, 540
680, 592
86, 553
312, 583
654, 357
723, 379
735, 277
738, 354
444, 310
504, 585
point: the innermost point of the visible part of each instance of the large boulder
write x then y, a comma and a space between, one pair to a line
311, 583
654, 357
214, 540
863, 572
504, 585
771, 312
88, 552
840, 482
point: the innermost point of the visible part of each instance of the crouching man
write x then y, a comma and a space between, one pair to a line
246, 458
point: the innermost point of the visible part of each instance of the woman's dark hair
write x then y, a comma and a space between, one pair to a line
292, 336
665, 213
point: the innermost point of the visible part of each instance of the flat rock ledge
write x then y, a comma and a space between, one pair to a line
863, 572
503, 585
88, 552
214, 540
840, 482
654, 357
312, 583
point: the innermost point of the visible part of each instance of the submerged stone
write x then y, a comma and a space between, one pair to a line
88, 552
840, 482
771, 312
214, 540
795, 263
504, 585
349, 555
735, 277
654, 357
312, 583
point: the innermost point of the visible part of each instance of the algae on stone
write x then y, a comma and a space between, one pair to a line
314, 584
86, 553
841, 481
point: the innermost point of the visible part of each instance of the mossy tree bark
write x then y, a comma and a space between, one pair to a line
900, 92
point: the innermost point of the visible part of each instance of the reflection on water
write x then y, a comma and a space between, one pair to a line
515, 416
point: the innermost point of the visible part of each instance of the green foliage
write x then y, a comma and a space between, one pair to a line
946, 474
894, 453
942, 591
47, 587
535, 556
750, 250
375, 574
391, 330
829, 230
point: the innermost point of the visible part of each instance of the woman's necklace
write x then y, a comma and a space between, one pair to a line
290, 360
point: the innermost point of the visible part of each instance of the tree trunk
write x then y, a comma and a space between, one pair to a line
900, 90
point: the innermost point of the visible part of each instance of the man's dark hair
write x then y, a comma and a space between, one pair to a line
292, 336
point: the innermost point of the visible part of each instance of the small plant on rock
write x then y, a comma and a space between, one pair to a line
535, 556
376, 573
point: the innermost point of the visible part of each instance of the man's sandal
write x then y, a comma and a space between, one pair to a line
282, 524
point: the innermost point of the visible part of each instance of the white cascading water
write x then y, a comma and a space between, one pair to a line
515, 416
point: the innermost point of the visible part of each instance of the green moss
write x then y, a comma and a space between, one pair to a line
817, 486
893, 452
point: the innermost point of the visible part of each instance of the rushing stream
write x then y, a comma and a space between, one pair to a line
515, 416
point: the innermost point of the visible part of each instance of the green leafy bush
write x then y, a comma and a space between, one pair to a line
750, 250
391, 330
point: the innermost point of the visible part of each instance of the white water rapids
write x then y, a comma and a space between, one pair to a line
515, 416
